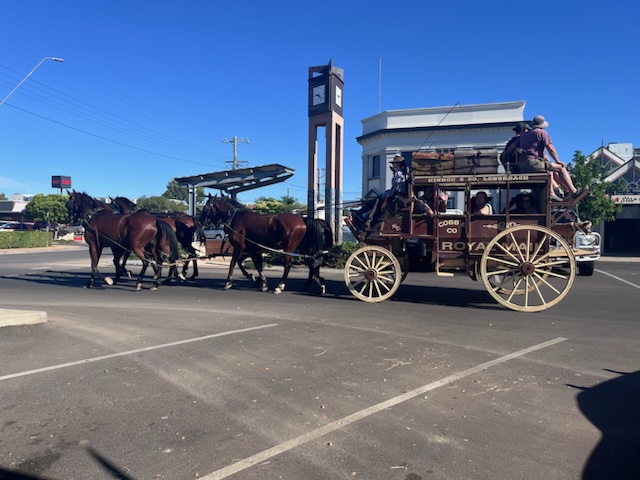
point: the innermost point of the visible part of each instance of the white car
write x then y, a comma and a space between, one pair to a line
587, 245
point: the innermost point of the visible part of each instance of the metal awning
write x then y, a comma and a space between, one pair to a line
240, 180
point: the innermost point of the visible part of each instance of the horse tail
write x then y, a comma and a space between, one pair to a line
327, 232
165, 230
312, 240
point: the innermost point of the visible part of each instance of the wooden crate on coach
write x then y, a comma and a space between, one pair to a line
471, 161
432, 163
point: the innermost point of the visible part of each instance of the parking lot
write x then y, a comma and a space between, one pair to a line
196, 382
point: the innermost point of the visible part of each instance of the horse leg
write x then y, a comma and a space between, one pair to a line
287, 266
244, 271
262, 280
194, 262
95, 252
319, 280
145, 264
234, 259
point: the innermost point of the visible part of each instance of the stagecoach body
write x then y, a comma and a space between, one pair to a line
525, 261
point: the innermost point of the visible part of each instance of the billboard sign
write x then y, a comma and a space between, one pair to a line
59, 181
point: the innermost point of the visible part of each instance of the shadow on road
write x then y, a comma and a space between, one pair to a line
613, 407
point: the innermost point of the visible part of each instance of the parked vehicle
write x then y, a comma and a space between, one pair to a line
587, 244
10, 227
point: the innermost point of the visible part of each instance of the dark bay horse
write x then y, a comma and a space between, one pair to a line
187, 229
252, 233
140, 233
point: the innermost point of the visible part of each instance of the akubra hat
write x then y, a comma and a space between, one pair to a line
397, 159
539, 122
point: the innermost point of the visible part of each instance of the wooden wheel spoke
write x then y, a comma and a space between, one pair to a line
503, 271
517, 247
501, 247
544, 280
535, 284
504, 261
515, 288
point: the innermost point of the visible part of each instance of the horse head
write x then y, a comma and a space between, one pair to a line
79, 205
124, 205
218, 210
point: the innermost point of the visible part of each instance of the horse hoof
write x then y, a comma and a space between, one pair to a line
277, 291
182, 277
108, 280
264, 288
323, 290
227, 286
153, 289
138, 287
129, 273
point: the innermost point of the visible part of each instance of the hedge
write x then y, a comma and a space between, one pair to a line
25, 239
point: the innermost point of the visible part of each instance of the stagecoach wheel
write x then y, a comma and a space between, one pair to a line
372, 274
528, 268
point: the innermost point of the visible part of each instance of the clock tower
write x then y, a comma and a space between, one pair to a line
326, 84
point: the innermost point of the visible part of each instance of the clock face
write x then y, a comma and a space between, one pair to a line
317, 95
338, 96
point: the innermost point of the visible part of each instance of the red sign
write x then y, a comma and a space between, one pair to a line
59, 181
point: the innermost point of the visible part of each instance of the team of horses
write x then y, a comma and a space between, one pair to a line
155, 238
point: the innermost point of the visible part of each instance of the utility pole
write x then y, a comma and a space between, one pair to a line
235, 142
319, 186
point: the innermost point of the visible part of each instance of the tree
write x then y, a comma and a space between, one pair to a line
48, 207
586, 172
161, 204
178, 192
285, 204
3, 196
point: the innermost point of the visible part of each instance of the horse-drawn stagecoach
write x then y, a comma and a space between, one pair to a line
524, 260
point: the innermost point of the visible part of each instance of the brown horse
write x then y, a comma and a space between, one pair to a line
188, 231
252, 233
140, 233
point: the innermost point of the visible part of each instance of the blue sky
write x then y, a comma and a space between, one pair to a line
148, 90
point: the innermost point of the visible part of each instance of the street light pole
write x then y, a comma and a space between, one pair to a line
55, 59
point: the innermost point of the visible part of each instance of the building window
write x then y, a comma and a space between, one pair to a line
374, 166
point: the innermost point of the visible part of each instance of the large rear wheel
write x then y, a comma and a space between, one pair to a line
528, 268
372, 274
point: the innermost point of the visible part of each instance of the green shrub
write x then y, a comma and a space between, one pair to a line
25, 239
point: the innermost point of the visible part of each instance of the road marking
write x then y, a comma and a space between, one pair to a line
131, 352
618, 278
302, 439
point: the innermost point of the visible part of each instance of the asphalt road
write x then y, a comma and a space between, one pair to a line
193, 381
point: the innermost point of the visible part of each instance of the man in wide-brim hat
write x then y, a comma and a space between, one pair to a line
533, 144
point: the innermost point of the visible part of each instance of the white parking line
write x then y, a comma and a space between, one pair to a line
295, 442
131, 352
618, 278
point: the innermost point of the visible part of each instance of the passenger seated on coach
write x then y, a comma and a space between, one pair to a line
423, 199
481, 204
524, 203
398, 189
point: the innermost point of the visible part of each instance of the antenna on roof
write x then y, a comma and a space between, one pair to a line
379, 82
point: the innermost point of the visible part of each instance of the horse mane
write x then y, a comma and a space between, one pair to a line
93, 203
233, 202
